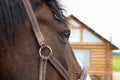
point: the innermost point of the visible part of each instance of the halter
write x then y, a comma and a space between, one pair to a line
49, 57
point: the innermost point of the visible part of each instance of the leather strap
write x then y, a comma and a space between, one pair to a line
50, 57
43, 66
60, 68
41, 42
33, 22
84, 74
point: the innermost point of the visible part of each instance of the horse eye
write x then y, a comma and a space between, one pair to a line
66, 33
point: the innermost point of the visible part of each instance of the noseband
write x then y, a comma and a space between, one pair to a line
43, 46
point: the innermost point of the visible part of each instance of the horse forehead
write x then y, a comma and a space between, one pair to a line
43, 12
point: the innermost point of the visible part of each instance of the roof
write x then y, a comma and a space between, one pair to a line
114, 47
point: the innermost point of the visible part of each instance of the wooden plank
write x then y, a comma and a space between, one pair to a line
98, 50
87, 43
97, 65
98, 56
96, 72
99, 68
98, 60
88, 47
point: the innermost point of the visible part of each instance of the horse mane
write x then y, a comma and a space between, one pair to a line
13, 15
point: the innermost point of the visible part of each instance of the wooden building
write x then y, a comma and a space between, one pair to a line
91, 49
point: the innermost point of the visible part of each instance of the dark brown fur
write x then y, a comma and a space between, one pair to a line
19, 57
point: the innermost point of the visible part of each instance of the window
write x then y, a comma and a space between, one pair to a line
75, 31
75, 35
74, 23
83, 56
89, 37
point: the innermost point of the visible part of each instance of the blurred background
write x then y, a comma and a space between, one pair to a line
95, 35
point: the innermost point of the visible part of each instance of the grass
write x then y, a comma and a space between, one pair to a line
116, 62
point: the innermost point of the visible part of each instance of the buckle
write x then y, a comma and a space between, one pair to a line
42, 51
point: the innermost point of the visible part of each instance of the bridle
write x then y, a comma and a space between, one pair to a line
43, 46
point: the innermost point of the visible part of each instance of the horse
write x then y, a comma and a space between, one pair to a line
22, 55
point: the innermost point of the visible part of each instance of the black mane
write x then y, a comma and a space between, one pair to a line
13, 15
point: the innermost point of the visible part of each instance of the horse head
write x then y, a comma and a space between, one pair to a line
19, 49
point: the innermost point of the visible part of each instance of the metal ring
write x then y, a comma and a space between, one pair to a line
45, 56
